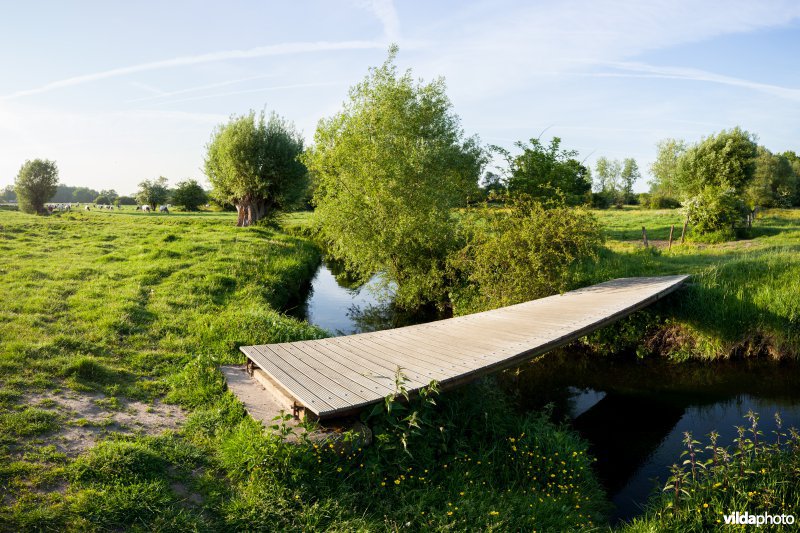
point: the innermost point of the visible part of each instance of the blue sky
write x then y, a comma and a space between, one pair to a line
119, 92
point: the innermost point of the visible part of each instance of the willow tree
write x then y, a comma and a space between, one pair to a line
713, 176
252, 163
388, 169
36, 183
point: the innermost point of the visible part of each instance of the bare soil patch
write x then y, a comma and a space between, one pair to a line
88, 417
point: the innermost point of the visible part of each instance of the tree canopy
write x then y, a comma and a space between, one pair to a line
36, 183
126, 200
252, 162
607, 175
711, 178
628, 177
388, 169
153, 192
726, 160
547, 171
665, 168
189, 195
774, 182
8, 194
83, 195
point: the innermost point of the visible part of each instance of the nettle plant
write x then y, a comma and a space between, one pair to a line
404, 422
756, 473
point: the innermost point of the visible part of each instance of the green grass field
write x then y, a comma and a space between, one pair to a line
112, 319
114, 306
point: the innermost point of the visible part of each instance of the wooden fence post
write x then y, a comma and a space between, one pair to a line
683, 231
671, 229
644, 236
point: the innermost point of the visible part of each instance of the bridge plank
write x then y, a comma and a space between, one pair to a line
340, 375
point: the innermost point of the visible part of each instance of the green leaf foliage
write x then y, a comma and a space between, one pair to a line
548, 172
715, 210
252, 163
726, 160
189, 195
527, 251
388, 169
775, 181
36, 183
630, 174
665, 168
153, 192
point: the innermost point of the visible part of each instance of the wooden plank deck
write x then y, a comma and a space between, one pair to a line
341, 375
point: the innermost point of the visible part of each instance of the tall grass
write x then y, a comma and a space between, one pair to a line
743, 298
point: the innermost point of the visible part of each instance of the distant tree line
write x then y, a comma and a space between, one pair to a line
188, 194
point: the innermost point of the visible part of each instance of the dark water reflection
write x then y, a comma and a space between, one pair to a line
633, 413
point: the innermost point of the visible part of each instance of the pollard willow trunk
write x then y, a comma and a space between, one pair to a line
251, 211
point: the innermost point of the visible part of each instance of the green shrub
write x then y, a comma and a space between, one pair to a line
529, 251
712, 237
602, 200
759, 474
658, 201
715, 209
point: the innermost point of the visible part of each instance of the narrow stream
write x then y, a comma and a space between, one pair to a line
632, 413
339, 304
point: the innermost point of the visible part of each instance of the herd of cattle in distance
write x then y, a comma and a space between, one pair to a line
51, 208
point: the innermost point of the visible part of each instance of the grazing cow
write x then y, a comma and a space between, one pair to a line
88, 208
146, 208
163, 209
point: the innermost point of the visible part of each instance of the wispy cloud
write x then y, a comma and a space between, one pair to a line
386, 13
261, 51
148, 88
637, 69
166, 94
257, 90
511, 47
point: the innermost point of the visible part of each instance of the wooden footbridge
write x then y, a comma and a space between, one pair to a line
340, 375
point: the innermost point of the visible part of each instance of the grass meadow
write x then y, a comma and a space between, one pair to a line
108, 315
104, 312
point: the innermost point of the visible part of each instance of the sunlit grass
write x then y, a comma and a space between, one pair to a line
119, 303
